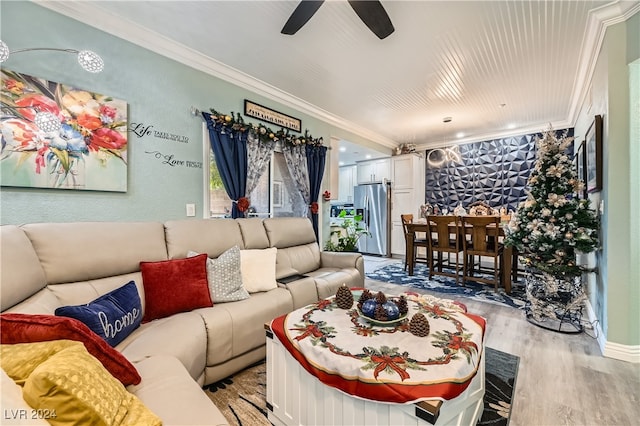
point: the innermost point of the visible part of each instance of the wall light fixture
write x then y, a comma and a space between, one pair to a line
88, 60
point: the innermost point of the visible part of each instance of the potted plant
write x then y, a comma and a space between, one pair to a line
549, 229
346, 237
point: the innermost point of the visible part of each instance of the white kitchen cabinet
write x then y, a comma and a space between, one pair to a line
346, 182
374, 170
407, 194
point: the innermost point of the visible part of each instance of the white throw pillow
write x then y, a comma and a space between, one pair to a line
258, 269
224, 277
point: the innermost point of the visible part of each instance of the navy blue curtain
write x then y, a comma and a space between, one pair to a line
316, 157
230, 150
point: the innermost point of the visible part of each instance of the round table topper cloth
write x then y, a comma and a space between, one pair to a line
386, 363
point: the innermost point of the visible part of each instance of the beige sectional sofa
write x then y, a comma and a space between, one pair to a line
48, 265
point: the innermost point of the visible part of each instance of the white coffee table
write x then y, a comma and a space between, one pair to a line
296, 397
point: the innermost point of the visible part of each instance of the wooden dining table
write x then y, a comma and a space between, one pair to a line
422, 226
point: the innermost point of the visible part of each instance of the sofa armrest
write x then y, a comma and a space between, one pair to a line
332, 259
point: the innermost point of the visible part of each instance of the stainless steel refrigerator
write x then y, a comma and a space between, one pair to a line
373, 202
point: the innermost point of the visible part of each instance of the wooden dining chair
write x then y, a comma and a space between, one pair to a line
481, 240
417, 242
444, 237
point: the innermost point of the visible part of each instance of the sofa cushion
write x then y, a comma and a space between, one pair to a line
23, 328
112, 316
72, 385
328, 280
169, 391
174, 286
254, 235
210, 236
303, 258
240, 328
19, 263
258, 269
182, 336
224, 276
289, 231
93, 250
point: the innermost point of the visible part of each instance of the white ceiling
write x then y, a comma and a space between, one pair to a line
496, 67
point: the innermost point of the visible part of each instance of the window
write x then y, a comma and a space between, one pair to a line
219, 201
275, 195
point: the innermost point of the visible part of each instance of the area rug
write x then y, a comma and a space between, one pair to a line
501, 370
242, 397
394, 273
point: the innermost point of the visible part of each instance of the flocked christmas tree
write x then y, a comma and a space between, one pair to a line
552, 225
549, 229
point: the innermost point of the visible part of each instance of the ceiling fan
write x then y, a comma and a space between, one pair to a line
371, 12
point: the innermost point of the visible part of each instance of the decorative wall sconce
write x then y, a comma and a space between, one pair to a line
45, 120
88, 60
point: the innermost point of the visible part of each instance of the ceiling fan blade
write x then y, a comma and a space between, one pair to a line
301, 15
374, 16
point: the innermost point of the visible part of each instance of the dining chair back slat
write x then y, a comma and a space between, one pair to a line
481, 239
444, 237
417, 242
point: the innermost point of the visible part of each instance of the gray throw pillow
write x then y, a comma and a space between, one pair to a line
225, 277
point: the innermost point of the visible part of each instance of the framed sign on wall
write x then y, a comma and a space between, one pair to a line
252, 109
593, 147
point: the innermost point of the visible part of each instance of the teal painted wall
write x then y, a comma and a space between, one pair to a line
159, 92
613, 292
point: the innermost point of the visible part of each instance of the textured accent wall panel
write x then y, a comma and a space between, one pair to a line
494, 171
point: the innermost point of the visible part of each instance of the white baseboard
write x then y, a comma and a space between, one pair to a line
610, 349
622, 352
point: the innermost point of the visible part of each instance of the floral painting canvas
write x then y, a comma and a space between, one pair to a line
88, 152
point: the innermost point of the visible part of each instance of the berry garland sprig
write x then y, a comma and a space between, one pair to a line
263, 132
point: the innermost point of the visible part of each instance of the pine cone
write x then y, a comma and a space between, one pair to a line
381, 298
403, 306
344, 298
419, 326
366, 295
380, 314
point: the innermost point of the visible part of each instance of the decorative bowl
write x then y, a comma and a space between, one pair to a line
382, 323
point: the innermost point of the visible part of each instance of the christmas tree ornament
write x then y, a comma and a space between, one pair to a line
391, 310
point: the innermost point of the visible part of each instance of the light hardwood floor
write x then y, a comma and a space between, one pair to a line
563, 379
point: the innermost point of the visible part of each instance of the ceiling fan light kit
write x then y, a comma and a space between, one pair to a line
372, 13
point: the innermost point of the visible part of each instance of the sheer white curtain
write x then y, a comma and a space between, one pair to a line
258, 156
296, 159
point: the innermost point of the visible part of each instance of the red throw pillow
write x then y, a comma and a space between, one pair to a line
26, 328
172, 286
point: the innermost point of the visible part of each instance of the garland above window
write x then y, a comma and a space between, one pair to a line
263, 132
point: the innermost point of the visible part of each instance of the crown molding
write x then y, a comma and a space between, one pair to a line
598, 22
93, 15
